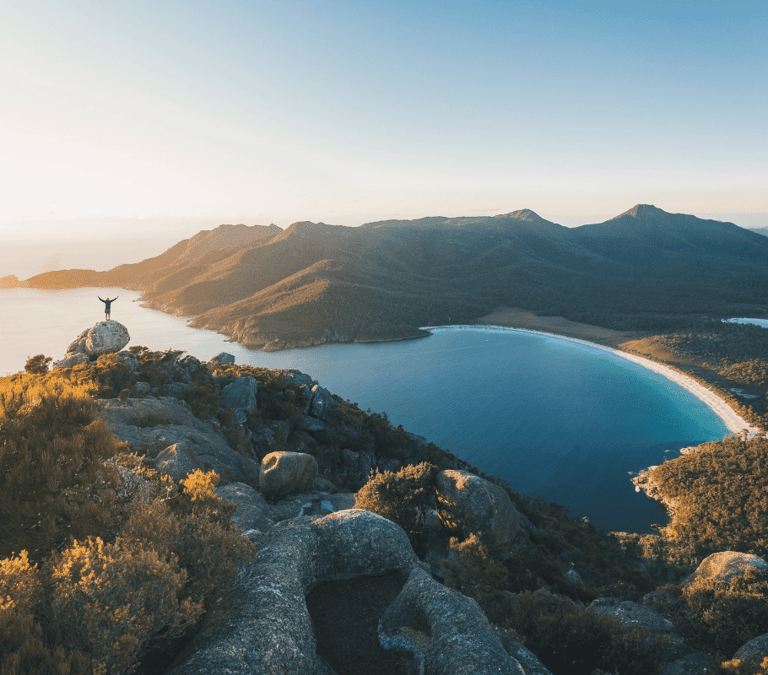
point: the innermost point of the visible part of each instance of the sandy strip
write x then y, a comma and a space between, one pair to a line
733, 421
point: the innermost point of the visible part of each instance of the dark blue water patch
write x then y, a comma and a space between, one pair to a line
550, 417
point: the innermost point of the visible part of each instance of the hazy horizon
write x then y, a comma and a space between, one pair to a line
344, 112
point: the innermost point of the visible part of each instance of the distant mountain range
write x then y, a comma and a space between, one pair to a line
643, 270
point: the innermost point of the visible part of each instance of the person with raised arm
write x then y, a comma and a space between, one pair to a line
107, 305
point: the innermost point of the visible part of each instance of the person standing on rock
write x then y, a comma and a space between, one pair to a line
107, 305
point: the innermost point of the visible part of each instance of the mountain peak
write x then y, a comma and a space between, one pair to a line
523, 214
644, 211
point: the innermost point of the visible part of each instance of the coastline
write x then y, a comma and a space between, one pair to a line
730, 418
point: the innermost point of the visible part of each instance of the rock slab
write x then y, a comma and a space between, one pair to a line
754, 651
168, 433
239, 395
106, 337
272, 631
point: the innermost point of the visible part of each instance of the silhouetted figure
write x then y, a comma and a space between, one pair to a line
107, 305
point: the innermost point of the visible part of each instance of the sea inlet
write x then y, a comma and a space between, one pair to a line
563, 421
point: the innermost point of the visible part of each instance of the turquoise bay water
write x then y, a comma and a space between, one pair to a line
553, 418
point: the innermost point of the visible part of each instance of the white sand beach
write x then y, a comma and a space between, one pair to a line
730, 418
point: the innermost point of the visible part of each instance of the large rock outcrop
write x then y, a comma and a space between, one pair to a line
724, 566
635, 614
170, 435
754, 651
468, 504
106, 337
272, 631
445, 631
240, 395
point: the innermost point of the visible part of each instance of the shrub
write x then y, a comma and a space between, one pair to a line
739, 667
480, 573
199, 485
53, 484
111, 600
403, 496
23, 650
721, 498
727, 615
193, 528
570, 639
37, 365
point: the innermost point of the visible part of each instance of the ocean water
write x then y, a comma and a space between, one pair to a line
560, 420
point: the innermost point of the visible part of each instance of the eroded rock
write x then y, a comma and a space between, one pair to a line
253, 511
632, 613
321, 403
445, 631
754, 651
635, 614
240, 394
272, 630
177, 461
166, 431
71, 360
468, 504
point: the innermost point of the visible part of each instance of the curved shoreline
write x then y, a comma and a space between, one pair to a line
728, 415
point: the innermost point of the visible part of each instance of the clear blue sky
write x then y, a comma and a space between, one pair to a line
345, 112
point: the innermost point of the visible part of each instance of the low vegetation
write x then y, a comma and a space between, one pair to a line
720, 493
103, 561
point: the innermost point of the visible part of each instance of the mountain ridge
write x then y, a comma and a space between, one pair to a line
313, 282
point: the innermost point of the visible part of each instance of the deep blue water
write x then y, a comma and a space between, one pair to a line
551, 417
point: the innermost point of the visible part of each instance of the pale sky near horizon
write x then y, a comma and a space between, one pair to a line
188, 113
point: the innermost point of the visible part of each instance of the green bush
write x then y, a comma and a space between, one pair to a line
110, 600
727, 615
571, 640
480, 573
53, 484
96, 568
38, 365
739, 667
403, 496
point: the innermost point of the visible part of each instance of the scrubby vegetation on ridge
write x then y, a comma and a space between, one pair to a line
86, 529
104, 561
720, 497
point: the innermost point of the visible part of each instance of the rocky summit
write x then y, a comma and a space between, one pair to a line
106, 337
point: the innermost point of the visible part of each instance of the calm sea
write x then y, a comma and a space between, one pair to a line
552, 418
